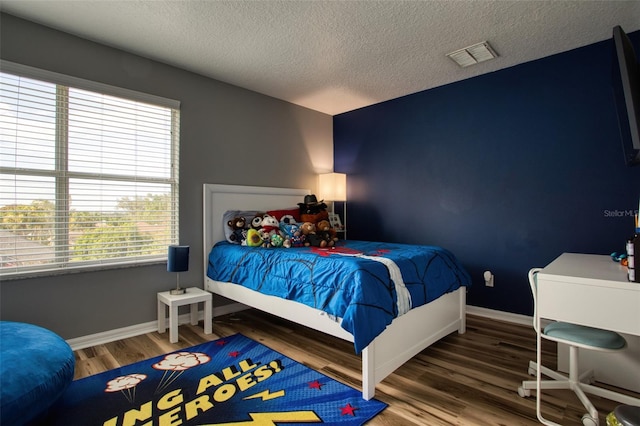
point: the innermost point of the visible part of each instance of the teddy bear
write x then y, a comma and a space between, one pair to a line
324, 229
308, 228
312, 238
238, 225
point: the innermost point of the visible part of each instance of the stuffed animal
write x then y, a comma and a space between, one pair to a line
254, 238
312, 238
266, 238
256, 222
311, 205
270, 224
288, 219
277, 240
238, 225
292, 233
324, 229
314, 217
307, 229
271, 234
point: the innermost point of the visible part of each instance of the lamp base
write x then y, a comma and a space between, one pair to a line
177, 291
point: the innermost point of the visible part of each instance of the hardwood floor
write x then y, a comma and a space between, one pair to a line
468, 379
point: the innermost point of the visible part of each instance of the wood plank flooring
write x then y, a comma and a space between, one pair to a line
468, 379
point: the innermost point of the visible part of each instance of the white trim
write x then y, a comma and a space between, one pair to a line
113, 335
144, 328
152, 326
500, 315
505, 316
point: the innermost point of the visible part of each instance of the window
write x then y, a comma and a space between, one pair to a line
88, 174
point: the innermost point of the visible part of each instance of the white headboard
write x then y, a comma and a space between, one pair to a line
217, 199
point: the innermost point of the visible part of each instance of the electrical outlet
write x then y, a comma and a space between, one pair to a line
488, 278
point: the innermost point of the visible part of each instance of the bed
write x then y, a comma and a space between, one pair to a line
399, 341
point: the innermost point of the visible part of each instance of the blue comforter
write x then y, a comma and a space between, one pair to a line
367, 284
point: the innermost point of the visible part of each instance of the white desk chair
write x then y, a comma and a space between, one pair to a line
577, 337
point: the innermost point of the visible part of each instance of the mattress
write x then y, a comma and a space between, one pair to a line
363, 284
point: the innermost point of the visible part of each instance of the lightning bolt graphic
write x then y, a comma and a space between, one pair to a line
270, 419
266, 395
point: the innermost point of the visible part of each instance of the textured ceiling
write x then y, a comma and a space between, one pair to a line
333, 56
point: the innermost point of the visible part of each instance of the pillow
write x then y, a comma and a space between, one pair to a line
292, 211
229, 215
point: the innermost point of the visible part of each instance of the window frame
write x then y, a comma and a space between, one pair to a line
62, 175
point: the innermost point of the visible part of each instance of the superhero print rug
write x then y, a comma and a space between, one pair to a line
232, 381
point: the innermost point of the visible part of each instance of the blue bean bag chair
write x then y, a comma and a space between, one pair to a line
36, 366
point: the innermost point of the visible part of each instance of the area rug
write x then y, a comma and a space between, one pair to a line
231, 381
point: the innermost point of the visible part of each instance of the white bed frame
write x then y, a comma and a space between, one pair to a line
404, 338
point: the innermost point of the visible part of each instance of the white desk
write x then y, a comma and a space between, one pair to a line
593, 290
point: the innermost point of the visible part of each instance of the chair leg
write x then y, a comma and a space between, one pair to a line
546, 371
591, 410
560, 381
579, 383
611, 395
528, 385
586, 386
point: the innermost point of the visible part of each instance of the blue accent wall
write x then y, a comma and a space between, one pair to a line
508, 170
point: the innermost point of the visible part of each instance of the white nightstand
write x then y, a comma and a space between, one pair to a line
192, 296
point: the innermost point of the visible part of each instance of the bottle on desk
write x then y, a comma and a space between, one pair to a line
631, 270
636, 249
633, 251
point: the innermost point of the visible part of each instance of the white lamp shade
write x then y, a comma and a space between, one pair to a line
332, 187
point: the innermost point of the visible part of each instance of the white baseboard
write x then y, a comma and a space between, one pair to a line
144, 328
500, 315
151, 326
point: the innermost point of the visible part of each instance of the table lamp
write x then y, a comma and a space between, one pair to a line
333, 187
178, 261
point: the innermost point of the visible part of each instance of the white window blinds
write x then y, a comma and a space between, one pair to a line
88, 178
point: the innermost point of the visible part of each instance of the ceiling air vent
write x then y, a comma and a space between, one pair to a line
474, 54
